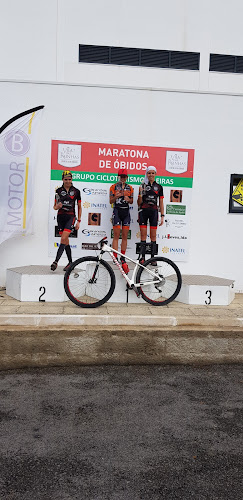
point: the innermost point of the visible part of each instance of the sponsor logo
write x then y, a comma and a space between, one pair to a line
56, 245
89, 246
94, 219
177, 250
95, 232
86, 204
173, 250
176, 161
175, 196
176, 209
170, 237
69, 155
95, 192
17, 143
98, 205
120, 236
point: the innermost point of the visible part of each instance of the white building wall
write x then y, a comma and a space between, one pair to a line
43, 47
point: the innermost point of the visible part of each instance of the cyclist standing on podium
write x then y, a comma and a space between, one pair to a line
121, 196
150, 192
65, 199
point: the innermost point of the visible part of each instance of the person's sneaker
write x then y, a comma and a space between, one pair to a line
67, 266
54, 266
125, 267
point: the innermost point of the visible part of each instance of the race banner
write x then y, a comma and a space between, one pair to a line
18, 146
94, 167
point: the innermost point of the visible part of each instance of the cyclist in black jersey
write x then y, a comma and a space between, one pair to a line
65, 198
150, 192
121, 196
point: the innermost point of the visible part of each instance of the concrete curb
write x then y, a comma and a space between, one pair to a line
22, 347
45, 320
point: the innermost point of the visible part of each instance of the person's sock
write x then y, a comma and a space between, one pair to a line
59, 252
153, 248
69, 253
143, 248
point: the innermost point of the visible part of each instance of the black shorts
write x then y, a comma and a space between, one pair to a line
65, 222
146, 214
121, 217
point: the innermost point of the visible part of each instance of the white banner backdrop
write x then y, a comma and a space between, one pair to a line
93, 176
18, 144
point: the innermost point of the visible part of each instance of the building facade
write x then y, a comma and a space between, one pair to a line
131, 72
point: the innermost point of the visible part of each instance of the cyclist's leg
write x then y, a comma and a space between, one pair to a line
116, 229
142, 220
153, 219
64, 228
67, 247
126, 219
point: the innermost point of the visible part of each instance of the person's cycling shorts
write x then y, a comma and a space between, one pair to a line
148, 214
65, 222
121, 217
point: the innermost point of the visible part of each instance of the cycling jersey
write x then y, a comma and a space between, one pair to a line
127, 190
150, 195
67, 198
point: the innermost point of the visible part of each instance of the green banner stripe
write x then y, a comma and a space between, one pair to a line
108, 178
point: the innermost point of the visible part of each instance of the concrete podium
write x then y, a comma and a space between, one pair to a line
206, 290
40, 284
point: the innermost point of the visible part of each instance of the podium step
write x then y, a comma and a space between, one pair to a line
36, 284
206, 290
40, 284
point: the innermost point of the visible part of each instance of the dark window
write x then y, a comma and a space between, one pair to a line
239, 64
150, 58
124, 56
185, 60
220, 62
155, 58
226, 63
94, 54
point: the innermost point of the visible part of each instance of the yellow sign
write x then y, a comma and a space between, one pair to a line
237, 194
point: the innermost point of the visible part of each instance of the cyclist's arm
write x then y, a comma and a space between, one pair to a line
161, 206
79, 210
140, 197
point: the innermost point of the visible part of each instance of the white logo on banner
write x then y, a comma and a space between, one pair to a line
176, 161
18, 148
69, 155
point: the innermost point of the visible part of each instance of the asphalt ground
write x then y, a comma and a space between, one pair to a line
122, 433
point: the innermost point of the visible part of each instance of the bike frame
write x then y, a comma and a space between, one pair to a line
131, 282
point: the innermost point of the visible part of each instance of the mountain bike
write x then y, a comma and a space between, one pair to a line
90, 281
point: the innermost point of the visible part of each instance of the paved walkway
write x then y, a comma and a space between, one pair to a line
176, 314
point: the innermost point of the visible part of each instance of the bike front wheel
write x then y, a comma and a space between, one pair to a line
159, 281
89, 282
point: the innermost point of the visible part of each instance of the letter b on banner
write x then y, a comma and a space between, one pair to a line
17, 143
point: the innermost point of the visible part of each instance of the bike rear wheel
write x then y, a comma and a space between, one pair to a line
161, 289
89, 282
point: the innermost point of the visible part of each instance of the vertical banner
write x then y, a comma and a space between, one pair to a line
18, 144
94, 167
